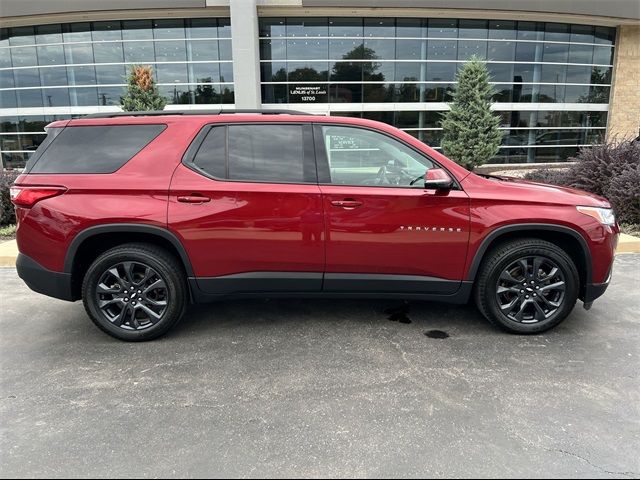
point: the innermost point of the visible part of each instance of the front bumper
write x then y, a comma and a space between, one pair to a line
594, 290
41, 280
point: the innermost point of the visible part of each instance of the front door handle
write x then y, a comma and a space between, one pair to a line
347, 203
193, 199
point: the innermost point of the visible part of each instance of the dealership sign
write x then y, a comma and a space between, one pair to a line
307, 93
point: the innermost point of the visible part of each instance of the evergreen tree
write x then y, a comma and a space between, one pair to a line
142, 93
471, 130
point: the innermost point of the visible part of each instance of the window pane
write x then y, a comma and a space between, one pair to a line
108, 52
346, 27
202, 28
471, 48
203, 50
441, 72
168, 28
110, 74
307, 27
555, 52
582, 33
79, 53
307, 49
106, 31
27, 77
502, 29
603, 55
24, 56
110, 95
51, 55
345, 49
605, 35
53, 76
442, 50
356, 157
83, 97
558, 32
207, 94
137, 30
224, 28
211, 156
379, 27
22, 36
386, 49
580, 53
442, 28
473, 28
29, 98
77, 32
172, 51
204, 72
267, 153
502, 51
272, 27
81, 75
172, 73
55, 97
96, 149
411, 27
409, 50
49, 34
138, 52
8, 99
578, 74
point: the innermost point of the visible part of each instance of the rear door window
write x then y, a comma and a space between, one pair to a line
258, 153
94, 149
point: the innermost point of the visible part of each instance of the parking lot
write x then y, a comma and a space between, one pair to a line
291, 388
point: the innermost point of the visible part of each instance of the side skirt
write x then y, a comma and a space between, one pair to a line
317, 285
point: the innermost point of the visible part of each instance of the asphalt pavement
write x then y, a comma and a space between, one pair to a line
290, 388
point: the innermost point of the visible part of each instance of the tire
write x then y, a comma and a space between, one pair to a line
519, 291
152, 274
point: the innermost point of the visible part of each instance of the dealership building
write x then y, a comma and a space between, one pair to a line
566, 73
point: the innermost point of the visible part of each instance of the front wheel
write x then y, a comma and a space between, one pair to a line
527, 286
135, 292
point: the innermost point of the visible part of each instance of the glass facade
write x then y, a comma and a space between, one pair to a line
551, 80
85, 65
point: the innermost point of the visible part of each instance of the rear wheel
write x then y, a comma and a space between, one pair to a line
135, 292
527, 286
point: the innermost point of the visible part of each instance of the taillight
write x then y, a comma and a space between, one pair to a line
27, 197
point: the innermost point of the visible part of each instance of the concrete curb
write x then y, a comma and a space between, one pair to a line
9, 249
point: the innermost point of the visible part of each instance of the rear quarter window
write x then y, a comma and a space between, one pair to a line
93, 149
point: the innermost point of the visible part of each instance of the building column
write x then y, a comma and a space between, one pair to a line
624, 106
245, 45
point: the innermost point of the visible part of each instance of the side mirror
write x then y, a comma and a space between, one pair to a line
438, 179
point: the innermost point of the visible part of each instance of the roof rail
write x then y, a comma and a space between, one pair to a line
193, 112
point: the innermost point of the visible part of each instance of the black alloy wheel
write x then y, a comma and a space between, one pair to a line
132, 295
135, 291
531, 289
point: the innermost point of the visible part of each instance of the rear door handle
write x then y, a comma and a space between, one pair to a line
347, 203
193, 199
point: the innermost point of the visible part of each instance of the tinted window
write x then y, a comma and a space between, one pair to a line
362, 157
99, 149
211, 156
267, 153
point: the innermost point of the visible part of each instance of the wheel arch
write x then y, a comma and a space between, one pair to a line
91, 242
566, 238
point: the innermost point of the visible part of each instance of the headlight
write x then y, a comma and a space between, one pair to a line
603, 215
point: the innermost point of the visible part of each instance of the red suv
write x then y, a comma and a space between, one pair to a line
140, 214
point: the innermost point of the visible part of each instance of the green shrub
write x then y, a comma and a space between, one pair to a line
610, 170
7, 212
